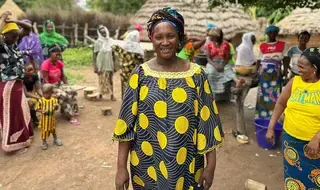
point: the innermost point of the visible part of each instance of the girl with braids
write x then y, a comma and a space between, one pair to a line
168, 120
300, 101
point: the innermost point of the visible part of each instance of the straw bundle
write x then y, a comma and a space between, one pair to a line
233, 20
10, 5
300, 19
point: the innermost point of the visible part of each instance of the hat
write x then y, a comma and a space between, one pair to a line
9, 27
272, 28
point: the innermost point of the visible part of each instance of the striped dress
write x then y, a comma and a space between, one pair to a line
47, 122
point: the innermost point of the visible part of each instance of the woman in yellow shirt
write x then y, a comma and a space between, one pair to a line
300, 101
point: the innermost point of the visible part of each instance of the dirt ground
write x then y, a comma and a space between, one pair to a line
88, 158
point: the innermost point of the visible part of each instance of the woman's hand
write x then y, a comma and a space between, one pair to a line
220, 68
313, 147
206, 178
270, 136
122, 179
6, 14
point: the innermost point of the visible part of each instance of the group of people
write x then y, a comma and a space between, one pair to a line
31, 82
169, 120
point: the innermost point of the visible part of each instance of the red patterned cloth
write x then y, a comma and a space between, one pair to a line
15, 119
219, 52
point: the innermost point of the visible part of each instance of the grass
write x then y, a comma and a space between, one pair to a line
75, 59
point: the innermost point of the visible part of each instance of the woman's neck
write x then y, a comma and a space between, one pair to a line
53, 61
167, 65
272, 41
311, 80
302, 47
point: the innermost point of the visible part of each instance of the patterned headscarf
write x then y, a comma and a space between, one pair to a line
313, 55
167, 15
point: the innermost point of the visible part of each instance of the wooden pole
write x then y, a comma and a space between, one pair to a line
63, 29
85, 33
35, 29
76, 34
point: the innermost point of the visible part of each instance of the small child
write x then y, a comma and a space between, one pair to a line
47, 106
32, 85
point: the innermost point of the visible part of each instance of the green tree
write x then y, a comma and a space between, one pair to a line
269, 4
116, 6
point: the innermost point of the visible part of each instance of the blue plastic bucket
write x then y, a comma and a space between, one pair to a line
261, 131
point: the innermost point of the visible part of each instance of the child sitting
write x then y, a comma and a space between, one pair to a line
47, 106
34, 92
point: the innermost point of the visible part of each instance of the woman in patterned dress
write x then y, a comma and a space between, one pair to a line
129, 54
168, 120
300, 101
273, 55
15, 121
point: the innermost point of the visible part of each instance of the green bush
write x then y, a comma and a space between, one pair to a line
77, 57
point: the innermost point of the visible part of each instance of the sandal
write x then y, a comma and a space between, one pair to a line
75, 122
76, 114
58, 142
242, 139
44, 146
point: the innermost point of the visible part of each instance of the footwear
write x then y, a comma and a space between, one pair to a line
58, 142
75, 122
44, 146
242, 139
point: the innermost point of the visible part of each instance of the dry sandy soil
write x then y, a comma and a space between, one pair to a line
88, 158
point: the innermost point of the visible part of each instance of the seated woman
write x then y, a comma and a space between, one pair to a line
52, 73
32, 85
246, 62
219, 70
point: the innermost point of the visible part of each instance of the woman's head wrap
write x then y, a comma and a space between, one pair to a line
9, 27
210, 26
54, 48
313, 55
167, 15
272, 28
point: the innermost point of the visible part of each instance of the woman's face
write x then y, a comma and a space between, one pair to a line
305, 68
213, 38
49, 28
272, 35
103, 32
165, 40
11, 37
303, 39
253, 39
55, 56
29, 70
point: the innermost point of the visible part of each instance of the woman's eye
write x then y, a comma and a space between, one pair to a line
172, 36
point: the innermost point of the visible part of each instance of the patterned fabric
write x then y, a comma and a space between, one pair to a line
31, 46
106, 83
301, 171
218, 52
11, 62
172, 120
268, 89
217, 80
15, 120
47, 122
127, 61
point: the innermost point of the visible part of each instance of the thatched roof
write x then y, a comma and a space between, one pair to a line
10, 5
232, 20
301, 19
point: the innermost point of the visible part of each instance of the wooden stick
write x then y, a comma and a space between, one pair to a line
76, 34
85, 33
254, 185
63, 29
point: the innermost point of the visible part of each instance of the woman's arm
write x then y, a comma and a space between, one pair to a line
123, 153
63, 77
3, 19
209, 59
38, 89
28, 94
281, 104
45, 76
197, 42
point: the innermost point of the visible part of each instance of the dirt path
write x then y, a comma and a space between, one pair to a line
78, 164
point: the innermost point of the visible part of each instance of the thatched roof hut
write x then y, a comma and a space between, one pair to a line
10, 5
301, 19
232, 20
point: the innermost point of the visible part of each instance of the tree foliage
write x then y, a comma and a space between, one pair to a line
116, 6
37, 4
269, 4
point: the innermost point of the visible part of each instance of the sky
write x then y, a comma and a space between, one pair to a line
82, 4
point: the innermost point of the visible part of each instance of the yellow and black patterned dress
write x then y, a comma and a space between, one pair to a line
127, 61
47, 122
172, 121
